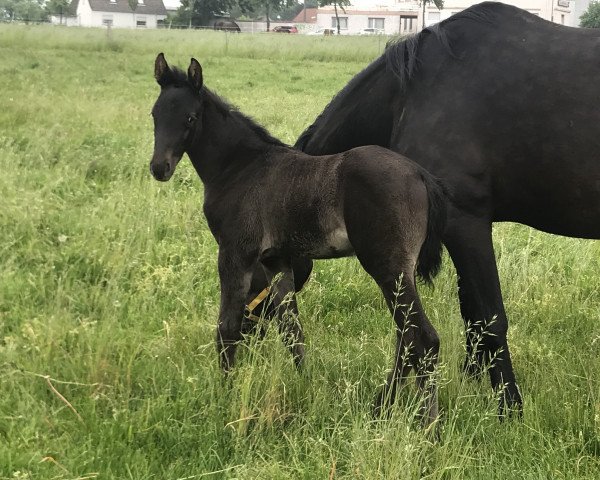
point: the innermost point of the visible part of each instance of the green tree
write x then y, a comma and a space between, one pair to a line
591, 17
7, 10
62, 8
438, 3
336, 4
201, 12
288, 12
269, 7
23, 10
133, 4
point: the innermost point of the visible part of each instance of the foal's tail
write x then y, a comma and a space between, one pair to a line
430, 256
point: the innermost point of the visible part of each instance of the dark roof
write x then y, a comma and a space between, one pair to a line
150, 7
311, 16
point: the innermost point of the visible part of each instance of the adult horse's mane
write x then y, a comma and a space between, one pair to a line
179, 79
401, 55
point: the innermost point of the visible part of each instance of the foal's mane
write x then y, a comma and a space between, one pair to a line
401, 55
180, 80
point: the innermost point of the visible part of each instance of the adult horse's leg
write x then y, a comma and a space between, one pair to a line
235, 274
469, 242
283, 298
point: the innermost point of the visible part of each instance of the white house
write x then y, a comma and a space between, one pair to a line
172, 5
119, 14
388, 16
66, 20
557, 11
394, 17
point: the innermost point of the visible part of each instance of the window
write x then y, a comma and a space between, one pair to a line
107, 20
408, 24
377, 23
141, 2
343, 23
113, 1
433, 17
140, 22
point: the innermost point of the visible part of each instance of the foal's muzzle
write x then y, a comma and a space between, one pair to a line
162, 169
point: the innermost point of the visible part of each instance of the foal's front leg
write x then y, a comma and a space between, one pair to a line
285, 307
235, 273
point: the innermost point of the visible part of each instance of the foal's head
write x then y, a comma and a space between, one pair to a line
177, 115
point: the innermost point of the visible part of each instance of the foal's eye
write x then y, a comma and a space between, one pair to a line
191, 119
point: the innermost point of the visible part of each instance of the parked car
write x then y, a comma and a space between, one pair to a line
371, 31
285, 29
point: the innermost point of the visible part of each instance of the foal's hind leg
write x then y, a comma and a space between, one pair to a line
387, 238
283, 298
417, 342
417, 345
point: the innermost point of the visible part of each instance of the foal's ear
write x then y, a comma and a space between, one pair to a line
162, 72
195, 74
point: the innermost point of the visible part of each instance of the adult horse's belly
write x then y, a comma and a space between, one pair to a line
555, 195
553, 186
542, 176
562, 204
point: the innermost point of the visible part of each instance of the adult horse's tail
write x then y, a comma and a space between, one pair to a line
430, 256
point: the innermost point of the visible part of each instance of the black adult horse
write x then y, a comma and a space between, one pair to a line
267, 203
226, 25
505, 108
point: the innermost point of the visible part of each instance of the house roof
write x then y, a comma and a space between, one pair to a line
311, 16
150, 7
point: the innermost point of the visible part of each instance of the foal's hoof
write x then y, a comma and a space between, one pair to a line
473, 368
433, 431
382, 406
427, 417
510, 404
298, 354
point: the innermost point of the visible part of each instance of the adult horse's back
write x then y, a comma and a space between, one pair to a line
505, 108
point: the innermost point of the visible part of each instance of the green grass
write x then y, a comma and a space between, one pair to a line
108, 286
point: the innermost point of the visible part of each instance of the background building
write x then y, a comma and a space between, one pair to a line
394, 17
119, 14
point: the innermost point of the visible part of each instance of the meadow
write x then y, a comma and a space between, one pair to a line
109, 295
